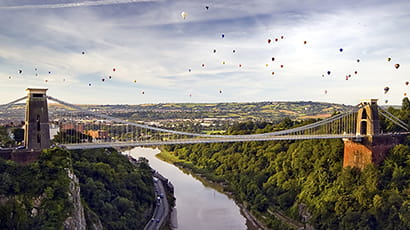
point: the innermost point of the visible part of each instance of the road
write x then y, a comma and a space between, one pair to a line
161, 209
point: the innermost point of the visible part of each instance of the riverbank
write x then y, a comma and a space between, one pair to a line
217, 185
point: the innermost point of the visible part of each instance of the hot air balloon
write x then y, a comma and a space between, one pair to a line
220, 91
281, 66
276, 39
273, 59
407, 83
102, 79
207, 7
109, 77
184, 14
223, 35
214, 51
233, 51
240, 65
355, 72
269, 40
305, 42
223, 62
49, 72
323, 75
20, 71
358, 60
83, 53
405, 94
397, 66
135, 81
113, 69
281, 37
9, 77
143, 92
35, 69
46, 81
203, 65
347, 77
325, 91
386, 101
341, 50
388, 59
189, 70
328, 72
89, 84
273, 73
386, 89
266, 65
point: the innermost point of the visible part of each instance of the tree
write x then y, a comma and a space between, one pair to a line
18, 134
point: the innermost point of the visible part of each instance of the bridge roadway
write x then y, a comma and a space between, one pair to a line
94, 145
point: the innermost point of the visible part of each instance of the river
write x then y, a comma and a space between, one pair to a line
198, 206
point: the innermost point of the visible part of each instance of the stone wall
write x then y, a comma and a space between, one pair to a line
21, 156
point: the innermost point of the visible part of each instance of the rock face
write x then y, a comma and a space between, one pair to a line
77, 219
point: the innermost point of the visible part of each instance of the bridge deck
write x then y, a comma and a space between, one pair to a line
205, 140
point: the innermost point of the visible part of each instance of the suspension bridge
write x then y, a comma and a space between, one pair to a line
80, 128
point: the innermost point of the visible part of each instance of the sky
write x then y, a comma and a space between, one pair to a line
145, 51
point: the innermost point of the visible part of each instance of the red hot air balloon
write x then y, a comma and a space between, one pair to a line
407, 83
113, 69
397, 66
269, 40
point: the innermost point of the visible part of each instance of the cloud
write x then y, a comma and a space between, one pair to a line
149, 42
73, 4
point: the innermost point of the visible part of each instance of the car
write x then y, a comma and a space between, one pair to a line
21, 147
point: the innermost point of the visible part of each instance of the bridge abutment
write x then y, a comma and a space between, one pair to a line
373, 147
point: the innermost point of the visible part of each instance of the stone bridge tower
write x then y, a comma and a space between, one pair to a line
37, 130
368, 118
373, 147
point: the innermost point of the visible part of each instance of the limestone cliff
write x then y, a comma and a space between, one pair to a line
77, 219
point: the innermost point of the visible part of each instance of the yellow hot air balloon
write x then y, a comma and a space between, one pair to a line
184, 14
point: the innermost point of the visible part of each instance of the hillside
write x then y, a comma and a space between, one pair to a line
266, 111
110, 192
261, 111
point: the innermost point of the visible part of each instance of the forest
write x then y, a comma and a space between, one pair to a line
114, 192
119, 193
305, 179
